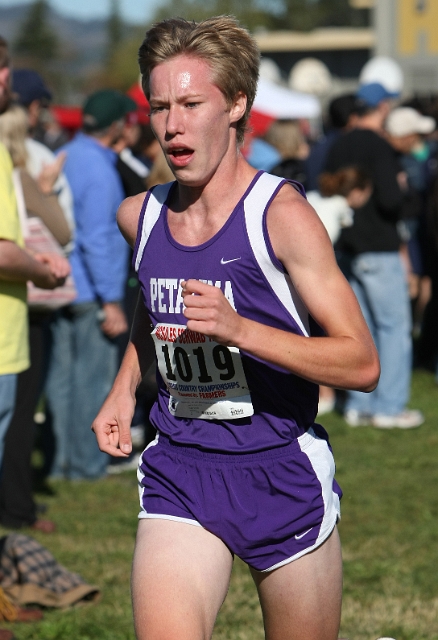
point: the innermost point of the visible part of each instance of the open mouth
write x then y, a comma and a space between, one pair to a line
180, 155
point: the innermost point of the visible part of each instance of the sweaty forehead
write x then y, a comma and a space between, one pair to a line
181, 73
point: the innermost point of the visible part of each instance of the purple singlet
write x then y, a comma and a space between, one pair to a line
212, 397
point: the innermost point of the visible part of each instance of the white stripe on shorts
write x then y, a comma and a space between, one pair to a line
321, 459
160, 516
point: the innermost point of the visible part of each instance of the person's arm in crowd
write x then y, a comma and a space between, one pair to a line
45, 205
45, 270
104, 251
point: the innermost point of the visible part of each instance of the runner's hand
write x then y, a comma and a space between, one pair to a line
209, 312
112, 425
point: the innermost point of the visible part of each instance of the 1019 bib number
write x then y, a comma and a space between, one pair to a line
222, 360
204, 379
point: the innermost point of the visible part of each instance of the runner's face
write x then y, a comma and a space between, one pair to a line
191, 118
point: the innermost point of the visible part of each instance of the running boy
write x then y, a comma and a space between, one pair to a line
237, 276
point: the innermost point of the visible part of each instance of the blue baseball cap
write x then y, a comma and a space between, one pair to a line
28, 86
373, 93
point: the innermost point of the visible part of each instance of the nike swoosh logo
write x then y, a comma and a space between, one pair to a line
303, 534
223, 261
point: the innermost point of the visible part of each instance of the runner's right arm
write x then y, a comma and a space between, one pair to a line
112, 425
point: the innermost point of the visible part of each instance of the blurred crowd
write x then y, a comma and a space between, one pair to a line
68, 292
372, 177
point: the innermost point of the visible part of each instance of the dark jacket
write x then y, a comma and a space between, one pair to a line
375, 224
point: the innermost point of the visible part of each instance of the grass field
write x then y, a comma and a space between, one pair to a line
389, 532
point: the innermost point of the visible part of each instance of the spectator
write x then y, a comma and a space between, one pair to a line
287, 137
85, 351
341, 117
147, 147
30, 92
428, 347
338, 196
406, 130
133, 171
17, 506
370, 257
16, 267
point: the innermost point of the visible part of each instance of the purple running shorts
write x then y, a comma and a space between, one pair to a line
269, 508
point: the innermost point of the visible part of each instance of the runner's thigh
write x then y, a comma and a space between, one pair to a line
302, 600
180, 578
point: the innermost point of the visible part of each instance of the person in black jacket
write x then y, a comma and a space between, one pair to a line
369, 253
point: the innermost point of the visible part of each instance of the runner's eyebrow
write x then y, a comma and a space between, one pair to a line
187, 97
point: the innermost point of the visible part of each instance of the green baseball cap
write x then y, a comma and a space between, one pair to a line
104, 107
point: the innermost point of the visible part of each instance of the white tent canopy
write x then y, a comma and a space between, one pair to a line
282, 103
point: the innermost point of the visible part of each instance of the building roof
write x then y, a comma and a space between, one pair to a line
336, 38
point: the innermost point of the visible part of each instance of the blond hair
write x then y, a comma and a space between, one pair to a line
14, 125
286, 136
227, 47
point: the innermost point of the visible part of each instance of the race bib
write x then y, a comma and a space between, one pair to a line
205, 379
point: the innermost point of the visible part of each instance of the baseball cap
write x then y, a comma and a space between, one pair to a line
104, 107
404, 120
28, 85
373, 93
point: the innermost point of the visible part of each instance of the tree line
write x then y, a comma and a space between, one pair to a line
37, 45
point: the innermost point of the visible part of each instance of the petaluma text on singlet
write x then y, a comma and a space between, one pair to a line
165, 293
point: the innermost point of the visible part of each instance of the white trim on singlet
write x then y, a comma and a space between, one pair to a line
157, 198
255, 204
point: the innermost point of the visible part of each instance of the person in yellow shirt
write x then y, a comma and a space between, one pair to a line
14, 355
16, 267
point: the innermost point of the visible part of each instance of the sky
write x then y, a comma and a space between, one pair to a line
134, 11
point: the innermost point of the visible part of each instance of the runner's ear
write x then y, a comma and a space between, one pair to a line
238, 108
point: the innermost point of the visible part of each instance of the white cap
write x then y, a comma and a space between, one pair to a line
404, 121
384, 70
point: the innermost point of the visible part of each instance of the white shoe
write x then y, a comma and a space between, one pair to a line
357, 418
407, 419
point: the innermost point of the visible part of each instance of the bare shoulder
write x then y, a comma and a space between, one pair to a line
128, 215
294, 225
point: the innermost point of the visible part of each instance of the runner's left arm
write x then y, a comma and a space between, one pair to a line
345, 357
